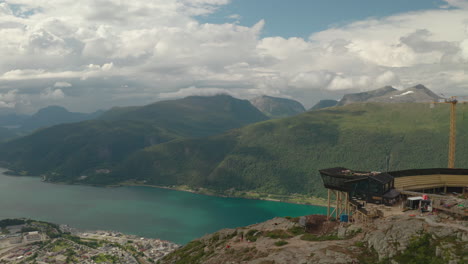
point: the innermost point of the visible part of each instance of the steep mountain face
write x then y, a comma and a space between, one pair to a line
193, 116
365, 96
70, 150
313, 240
416, 94
275, 107
54, 115
324, 104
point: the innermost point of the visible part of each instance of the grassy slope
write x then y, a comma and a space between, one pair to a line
283, 156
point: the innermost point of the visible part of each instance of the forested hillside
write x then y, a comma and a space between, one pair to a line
283, 156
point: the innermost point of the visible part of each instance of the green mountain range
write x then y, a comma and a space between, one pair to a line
279, 156
65, 152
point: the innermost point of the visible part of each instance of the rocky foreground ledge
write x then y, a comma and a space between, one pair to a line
38, 242
398, 239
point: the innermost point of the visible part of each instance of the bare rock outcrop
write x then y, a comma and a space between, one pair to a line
313, 240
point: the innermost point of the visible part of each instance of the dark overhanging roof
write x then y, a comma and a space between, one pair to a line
337, 171
342, 172
353, 176
382, 177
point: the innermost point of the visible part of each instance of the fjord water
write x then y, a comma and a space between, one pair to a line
144, 211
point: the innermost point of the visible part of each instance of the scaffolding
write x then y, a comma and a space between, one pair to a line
341, 202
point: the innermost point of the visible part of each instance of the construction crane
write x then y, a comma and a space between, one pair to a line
453, 101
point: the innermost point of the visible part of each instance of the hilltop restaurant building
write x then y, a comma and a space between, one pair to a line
373, 187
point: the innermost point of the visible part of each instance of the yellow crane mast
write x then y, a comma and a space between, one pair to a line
453, 131
453, 101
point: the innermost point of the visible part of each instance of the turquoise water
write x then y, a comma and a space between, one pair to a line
144, 211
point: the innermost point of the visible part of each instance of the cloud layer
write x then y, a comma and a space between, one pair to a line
93, 54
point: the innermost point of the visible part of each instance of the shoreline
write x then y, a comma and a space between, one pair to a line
314, 201
251, 195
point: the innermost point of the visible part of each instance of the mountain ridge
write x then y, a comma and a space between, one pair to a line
85, 147
189, 116
54, 115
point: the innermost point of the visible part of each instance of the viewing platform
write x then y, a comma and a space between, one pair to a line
365, 195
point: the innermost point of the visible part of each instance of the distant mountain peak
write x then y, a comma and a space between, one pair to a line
386, 88
365, 96
420, 86
277, 107
54, 115
52, 108
415, 94
219, 95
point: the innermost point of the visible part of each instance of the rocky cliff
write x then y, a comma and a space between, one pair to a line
311, 239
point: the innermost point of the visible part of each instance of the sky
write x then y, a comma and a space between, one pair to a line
94, 54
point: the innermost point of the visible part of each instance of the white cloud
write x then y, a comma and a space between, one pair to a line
159, 46
62, 84
235, 16
54, 94
458, 3
387, 78
84, 72
9, 99
184, 92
